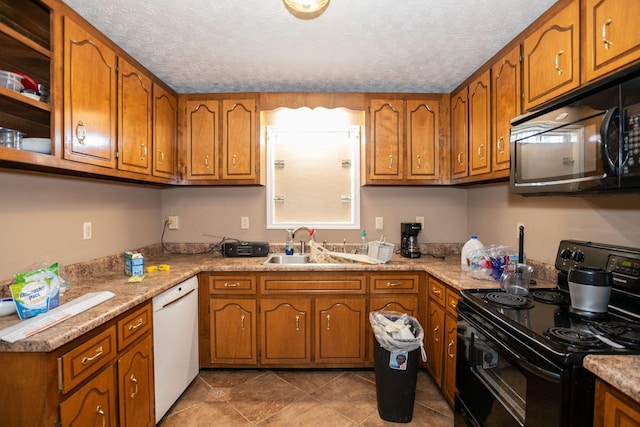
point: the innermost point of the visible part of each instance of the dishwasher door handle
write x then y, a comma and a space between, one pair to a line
176, 300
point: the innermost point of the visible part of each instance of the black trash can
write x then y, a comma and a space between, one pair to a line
396, 377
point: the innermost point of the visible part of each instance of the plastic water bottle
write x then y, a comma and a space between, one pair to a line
472, 245
364, 244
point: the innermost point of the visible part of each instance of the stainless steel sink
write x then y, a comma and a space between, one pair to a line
294, 259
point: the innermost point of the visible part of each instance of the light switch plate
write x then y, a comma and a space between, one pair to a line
379, 223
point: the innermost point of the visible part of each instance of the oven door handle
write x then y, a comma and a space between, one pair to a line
524, 363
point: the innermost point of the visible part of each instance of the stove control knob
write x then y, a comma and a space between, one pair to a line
566, 253
578, 256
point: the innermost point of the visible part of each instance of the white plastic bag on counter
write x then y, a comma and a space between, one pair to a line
488, 263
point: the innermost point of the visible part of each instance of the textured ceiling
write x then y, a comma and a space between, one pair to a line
356, 45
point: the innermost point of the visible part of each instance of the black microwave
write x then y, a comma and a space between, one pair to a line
588, 142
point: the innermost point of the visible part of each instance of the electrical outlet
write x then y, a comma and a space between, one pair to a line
86, 230
244, 222
518, 225
420, 220
173, 222
379, 223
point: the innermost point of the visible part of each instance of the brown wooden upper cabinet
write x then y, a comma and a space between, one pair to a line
134, 119
480, 125
505, 105
403, 141
459, 134
612, 36
219, 140
552, 57
90, 100
165, 125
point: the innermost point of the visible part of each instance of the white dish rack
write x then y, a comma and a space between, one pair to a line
322, 255
381, 250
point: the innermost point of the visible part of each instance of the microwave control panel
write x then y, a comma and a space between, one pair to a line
631, 141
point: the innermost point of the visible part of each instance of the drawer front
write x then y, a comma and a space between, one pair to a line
134, 325
87, 358
452, 302
436, 290
397, 283
313, 283
232, 284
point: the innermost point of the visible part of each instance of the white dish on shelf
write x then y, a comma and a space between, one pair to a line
11, 81
7, 306
31, 95
38, 145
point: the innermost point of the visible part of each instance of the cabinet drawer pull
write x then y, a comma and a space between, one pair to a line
390, 162
500, 146
99, 352
328, 322
436, 338
453, 304
419, 160
231, 285
393, 285
134, 382
297, 322
137, 325
242, 322
558, 69
436, 291
81, 132
100, 412
607, 42
449, 350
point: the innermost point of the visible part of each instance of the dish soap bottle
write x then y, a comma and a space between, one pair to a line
364, 244
288, 246
472, 245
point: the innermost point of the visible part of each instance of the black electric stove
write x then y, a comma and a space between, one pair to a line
527, 352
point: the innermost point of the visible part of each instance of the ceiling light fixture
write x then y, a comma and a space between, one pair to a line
306, 9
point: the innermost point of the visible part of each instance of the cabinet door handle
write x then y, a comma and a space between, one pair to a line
233, 160
134, 382
161, 154
242, 322
558, 69
419, 158
500, 146
143, 151
460, 158
297, 322
231, 285
328, 322
607, 42
436, 291
453, 304
480, 151
451, 355
390, 162
206, 161
137, 325
100, 412
99, 352
81, 132
436, 338
393, 285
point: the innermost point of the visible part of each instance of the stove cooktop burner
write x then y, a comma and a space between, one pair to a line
574, 338
504, 299
588, 315
625, 333
550, 297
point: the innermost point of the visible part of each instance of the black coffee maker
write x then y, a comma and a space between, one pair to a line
409, 246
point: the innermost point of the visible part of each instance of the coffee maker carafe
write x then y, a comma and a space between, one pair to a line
409, 246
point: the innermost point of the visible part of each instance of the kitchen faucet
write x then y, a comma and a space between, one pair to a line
291, 234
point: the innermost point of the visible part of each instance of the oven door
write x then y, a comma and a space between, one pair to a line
497, 386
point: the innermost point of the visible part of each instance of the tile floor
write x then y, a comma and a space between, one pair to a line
296, 398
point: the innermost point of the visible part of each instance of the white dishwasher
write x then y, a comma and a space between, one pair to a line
175, 342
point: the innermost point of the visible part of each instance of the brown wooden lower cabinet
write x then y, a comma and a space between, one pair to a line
102, 378
297, 320
613, 408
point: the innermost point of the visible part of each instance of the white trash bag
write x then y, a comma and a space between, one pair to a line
397, 332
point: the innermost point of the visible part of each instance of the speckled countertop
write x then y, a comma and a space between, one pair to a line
107, 275
622, 372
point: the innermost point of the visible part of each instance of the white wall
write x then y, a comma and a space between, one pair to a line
493, 213
41, 219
